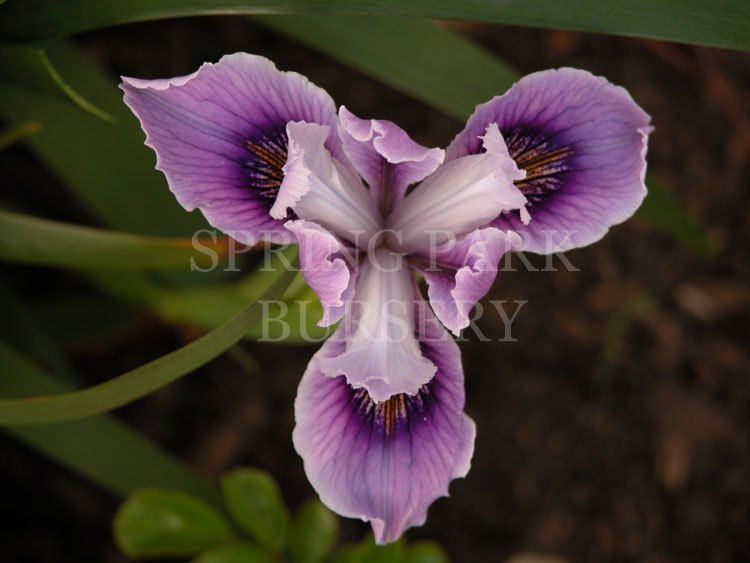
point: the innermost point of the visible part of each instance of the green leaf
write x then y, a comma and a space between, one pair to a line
106, 165
99, 448
161, 522
255, 503
294, 322
722, 24
426, 552
31, 240
30, 67
81, 320
367, 551
314, 533
235, 552
23, 329
143, 380
16, 133
424, 59
666, 213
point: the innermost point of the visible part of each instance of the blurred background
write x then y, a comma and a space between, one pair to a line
613, 428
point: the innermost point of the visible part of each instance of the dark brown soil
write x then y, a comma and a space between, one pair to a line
614, 429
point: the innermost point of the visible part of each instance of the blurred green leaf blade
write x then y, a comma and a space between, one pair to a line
255, 503
31, 68
32, 240
17, 132
235, 552
443, 68
722, 24
665, 212
144, 379
100, 448
314, 533
291, 321
162, 522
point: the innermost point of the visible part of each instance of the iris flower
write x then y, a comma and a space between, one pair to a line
380, 422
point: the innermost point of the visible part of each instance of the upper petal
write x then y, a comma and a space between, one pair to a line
462, 271
382, 355
582, 142
320, 188
460, 196
386, 157
384, 462
220, 137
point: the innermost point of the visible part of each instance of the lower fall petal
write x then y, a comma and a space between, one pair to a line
382, 354
384, 462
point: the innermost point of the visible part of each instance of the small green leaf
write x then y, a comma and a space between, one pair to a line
390, 553
255, 503
367, 551
161, 522
314, 533
235, 552
426, 552
30, 67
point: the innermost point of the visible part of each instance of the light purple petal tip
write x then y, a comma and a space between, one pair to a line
386, 157
219, 137
384, 463
582, 142
462, 271
324, 266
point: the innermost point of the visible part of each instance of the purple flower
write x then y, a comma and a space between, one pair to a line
549, 166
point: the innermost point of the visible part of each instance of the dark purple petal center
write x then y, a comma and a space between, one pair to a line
548, 164
266, 156
394, 415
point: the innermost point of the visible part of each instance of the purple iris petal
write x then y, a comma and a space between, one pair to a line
385, 462
386, 157
460, 272
324, 263
582, 142
220, 137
